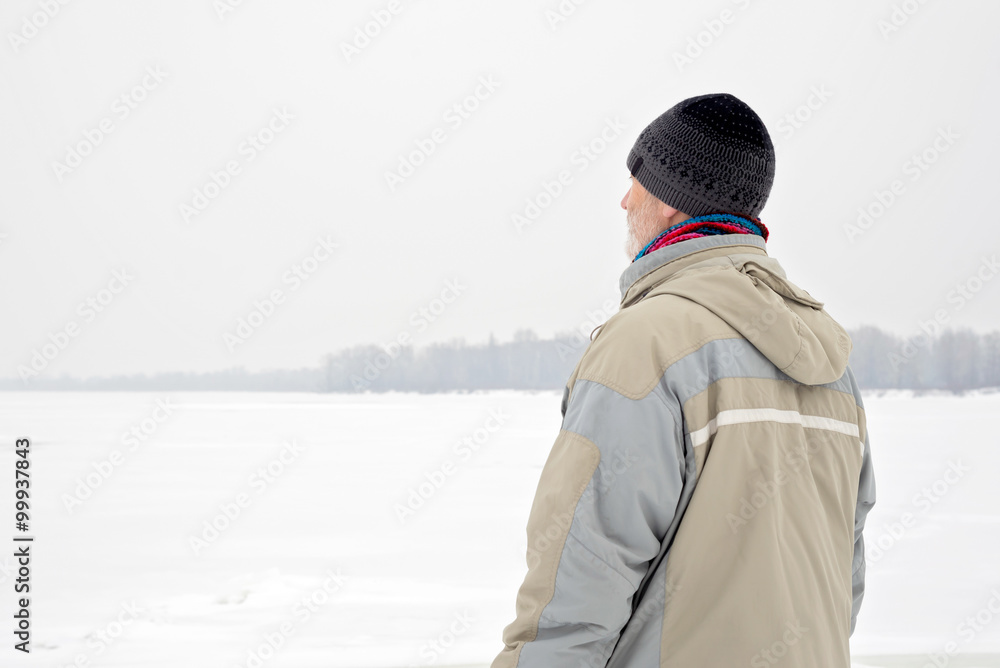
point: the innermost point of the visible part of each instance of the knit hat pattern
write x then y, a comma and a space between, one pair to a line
706, 154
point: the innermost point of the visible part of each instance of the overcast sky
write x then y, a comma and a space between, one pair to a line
167, 165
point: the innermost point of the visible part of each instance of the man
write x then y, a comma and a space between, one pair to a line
704, 500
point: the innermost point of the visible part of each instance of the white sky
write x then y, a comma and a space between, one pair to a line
324, 173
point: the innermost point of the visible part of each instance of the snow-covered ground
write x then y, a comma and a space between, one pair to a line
322, 550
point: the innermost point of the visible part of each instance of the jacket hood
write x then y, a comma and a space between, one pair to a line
750, 291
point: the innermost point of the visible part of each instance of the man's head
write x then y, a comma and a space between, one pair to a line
706, 154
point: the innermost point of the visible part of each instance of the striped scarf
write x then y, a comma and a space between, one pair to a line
704, 226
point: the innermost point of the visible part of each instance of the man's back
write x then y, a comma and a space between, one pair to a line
701, 505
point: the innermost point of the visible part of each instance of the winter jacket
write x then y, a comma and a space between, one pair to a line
704, 500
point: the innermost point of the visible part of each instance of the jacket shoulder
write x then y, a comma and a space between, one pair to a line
633, 349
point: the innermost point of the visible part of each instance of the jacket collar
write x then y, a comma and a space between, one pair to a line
659, 265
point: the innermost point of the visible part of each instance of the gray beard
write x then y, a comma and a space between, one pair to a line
640, 230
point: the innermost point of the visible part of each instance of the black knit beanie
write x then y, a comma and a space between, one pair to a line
707, 154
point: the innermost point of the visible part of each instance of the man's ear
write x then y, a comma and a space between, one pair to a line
667, 211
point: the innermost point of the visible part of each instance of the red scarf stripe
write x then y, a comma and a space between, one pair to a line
685, 232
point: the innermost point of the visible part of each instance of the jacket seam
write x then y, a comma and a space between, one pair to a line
607, 382
674, 411
798, 333
611, 385
594, 555
861, 562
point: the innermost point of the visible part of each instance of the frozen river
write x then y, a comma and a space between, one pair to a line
203, 529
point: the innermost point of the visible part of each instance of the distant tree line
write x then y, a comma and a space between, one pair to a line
954, 360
